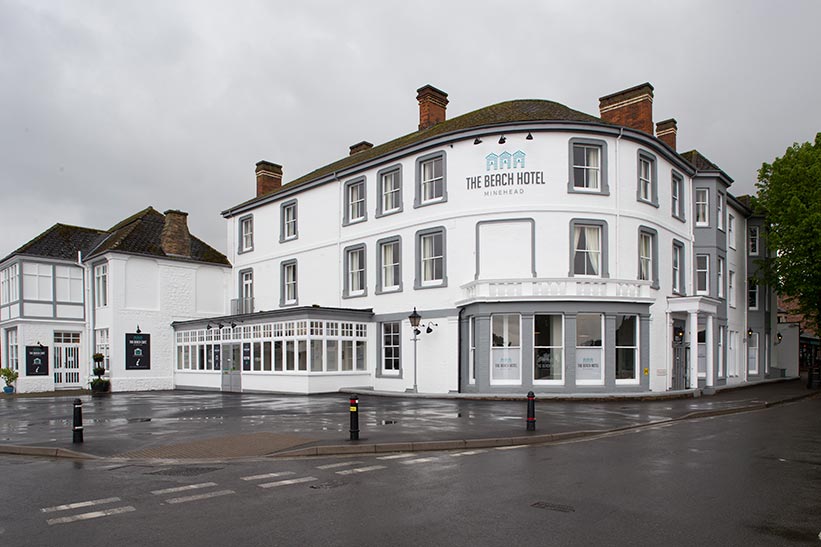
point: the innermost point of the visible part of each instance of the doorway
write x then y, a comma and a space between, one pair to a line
680, 355
66, 360
231, 364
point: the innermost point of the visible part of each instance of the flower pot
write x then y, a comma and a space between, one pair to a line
8, 390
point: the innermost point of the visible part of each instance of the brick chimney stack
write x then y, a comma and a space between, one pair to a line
631, 108
175, 238
666, 132
432, 105
269, 177
360, 147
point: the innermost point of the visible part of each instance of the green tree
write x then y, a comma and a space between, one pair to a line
789, 197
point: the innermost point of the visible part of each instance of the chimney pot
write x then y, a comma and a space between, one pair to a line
666, 132
269, 177
175, 238
360, 147
432, 106
631, 108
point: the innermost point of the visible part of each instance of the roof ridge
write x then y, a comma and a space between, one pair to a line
133, 218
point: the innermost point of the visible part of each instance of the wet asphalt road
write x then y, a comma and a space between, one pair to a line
125, 422
744, 479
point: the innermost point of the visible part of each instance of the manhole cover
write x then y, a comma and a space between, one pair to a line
184, 471
554, 507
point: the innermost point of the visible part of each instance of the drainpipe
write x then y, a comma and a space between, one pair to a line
459, 350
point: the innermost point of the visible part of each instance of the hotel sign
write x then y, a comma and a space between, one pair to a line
505, 176
137, 351
36, 361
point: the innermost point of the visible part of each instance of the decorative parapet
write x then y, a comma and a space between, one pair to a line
568, 288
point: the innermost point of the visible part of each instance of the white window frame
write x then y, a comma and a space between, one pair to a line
356, 209
731, 230
290, 293
705, 272
754, 240
516, 349
69, 284
10, 284
677, 196
426, 258
645, 179
246, 234
390, 191
722, 335
586, 251
599, 381
720, 277
635, 348
720, 211
12, 353
356, 278
702, 205
395, 344
551, 381
752, 290
752, 353
392, 269
588, 170
101, 285
289, 221
431, 188
731, 289
678, 254
38, 282
102, 345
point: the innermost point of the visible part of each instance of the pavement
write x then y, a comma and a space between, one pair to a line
192, 425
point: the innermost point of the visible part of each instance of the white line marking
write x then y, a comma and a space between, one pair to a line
360, 470
200, 496
287, 482
335, 465
93, 515
469, 453
420, 460
183, 488
396, 456
267, 476
78, 505
511, 447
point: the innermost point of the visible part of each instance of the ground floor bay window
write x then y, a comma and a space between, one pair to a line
547, 346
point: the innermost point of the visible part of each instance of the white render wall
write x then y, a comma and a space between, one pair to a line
319, 248
153, 293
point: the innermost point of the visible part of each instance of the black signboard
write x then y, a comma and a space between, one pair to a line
246, 356
36, 361
217, 357
137, 351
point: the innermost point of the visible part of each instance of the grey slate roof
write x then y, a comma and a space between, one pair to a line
138, 234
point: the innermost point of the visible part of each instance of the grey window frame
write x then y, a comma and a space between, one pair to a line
679, 246
346, 220
417, 282
721, 265
605, 256
654, 188
654, 249
381, 372
721, 211
241, 243
282, 266
677, 179
379, 277
380, 211
346, 291
731, 230
752, 288
604, 188
417, 197
283, 237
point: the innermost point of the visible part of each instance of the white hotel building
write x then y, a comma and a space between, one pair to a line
545, 249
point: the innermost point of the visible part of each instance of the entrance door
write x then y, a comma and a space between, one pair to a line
66, 360
679, 380
231, 368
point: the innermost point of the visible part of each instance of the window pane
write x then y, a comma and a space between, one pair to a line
547, 330
547, 364
331, 355
625, 364
588, 330
626, 330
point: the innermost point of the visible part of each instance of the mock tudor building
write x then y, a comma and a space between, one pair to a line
72, 292
540, 248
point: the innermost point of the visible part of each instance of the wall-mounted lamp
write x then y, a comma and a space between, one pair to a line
39, 344
529, 136
220, 326
779, 337
209, 326
429, 328
502, 139
477, 140
679, 333
138, 329
749, 332
233, 325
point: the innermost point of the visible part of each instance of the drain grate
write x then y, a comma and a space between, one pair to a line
554, 507
184, 471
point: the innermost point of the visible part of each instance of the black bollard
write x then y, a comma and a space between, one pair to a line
531, 411
78, 421
354, 401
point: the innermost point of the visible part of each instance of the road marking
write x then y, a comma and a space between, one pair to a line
197, 497
92, 515
287, 482
183, 488
335, 465
420, 460
511, 447
360, 470
78, 505
469, 453
267, 476
396, 456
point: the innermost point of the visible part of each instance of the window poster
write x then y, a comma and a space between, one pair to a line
506, 365
589, 364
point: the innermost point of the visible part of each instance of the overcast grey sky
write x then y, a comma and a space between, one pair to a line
107, 106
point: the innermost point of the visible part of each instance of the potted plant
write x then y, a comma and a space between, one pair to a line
99, 385
9, 376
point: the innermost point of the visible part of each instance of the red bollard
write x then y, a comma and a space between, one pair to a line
531, 411
354, 402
